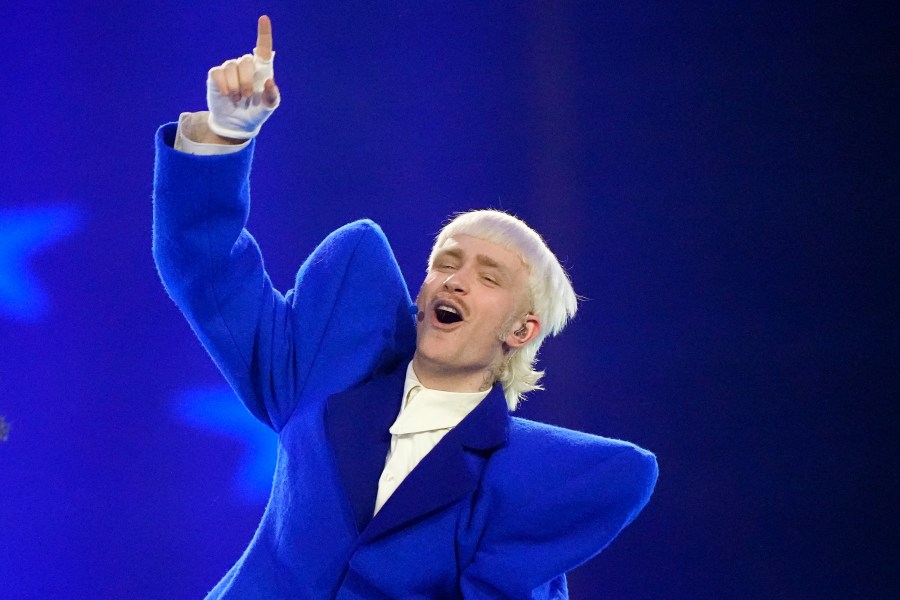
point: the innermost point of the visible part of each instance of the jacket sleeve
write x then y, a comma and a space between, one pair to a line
562, 497
272, 348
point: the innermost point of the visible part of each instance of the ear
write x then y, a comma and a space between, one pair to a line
523, 332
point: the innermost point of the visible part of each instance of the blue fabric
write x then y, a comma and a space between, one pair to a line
500, 508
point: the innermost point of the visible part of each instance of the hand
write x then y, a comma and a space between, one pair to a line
241, 93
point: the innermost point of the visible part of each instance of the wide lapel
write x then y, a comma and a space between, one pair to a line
451, 470
357, 423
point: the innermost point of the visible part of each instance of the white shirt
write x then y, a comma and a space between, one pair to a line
425, 418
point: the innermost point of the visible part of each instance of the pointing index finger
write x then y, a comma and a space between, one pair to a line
264, 38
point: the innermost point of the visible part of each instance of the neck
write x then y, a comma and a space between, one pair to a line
439, 377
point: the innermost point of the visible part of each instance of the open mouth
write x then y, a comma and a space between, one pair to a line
447, 314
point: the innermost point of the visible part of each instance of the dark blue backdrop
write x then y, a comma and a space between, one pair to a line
719, 178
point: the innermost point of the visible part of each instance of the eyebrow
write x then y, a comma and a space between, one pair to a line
487, 261
453, 253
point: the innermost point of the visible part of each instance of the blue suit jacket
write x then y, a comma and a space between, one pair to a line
500, 508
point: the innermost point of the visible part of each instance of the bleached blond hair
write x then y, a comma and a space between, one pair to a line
551, 296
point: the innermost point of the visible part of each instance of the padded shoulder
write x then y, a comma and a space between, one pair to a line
350, 299
552, 499
556, 454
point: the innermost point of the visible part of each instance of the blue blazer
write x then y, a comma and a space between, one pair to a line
501, 508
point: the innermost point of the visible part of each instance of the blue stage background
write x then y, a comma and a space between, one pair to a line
720, 178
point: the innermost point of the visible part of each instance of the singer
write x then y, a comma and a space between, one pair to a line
401, 473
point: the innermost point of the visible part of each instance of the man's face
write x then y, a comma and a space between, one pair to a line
473, 299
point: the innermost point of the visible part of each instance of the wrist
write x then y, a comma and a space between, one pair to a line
210, 137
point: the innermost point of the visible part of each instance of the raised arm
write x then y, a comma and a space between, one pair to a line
348, 313
209, 263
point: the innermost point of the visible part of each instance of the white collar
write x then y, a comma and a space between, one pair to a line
427, 410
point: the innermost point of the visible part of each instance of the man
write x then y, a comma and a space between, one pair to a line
400, 472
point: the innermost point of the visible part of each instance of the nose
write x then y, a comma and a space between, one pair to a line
454, 283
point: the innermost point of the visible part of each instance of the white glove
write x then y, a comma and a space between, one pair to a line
241, 93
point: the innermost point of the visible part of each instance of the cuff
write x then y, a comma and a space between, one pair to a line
192, 126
